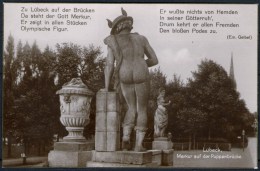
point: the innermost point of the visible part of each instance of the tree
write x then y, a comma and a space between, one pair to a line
49, 100
211, 91
8, 87
35, 58
18, 63
175, 90
191, 121
25, 78
91, 71
35, 96
68, 61
91, 67
157, 80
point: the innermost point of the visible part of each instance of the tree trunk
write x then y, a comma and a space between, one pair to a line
194, 135
28, 147
190, 142
25, 147
209, 134
58, 138
26, 150
9, 148
43, 146
39, 148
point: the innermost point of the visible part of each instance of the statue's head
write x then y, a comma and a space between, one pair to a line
121, 23
162, 90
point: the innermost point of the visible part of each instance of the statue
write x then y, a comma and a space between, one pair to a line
161, 115
169, 136
131, 74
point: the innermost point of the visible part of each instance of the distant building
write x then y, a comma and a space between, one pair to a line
231, 72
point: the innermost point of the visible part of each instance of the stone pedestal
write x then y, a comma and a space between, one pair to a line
121, 159
157, 157
165, 147
100, 164
167, 157
162, 143
107, 135
70, 154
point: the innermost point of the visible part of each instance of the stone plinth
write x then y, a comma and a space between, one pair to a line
68, 158
157, 157
167, 157
102, 164
107, 135
70, 154
123, 157
165, 147
162, 144
74, 146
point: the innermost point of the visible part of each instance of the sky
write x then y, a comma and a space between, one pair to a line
177, 53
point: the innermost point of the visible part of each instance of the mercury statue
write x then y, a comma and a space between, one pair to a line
131, 73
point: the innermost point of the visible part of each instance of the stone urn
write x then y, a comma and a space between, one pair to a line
75, 99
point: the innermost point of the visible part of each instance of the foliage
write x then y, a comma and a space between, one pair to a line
7, 86
10, 123
157, 80
212, 91
191, 119
91, 68
68, 59
31, 106
175, 91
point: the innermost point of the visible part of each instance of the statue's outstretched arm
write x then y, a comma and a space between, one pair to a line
109, 68
149, 52
166, 104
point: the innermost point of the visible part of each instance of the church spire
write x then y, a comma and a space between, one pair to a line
231, 72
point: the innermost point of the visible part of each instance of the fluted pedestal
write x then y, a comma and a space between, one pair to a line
75, 126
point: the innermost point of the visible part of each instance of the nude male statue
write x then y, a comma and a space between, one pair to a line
127, 50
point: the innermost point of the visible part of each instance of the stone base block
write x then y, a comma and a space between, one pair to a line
74, 146
70, 154
167, 157
69, 158
157, 156
161, 139
74, 139
107, 140
123, 157
102, 164
162, 145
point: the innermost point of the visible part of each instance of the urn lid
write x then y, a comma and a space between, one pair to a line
75, 86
